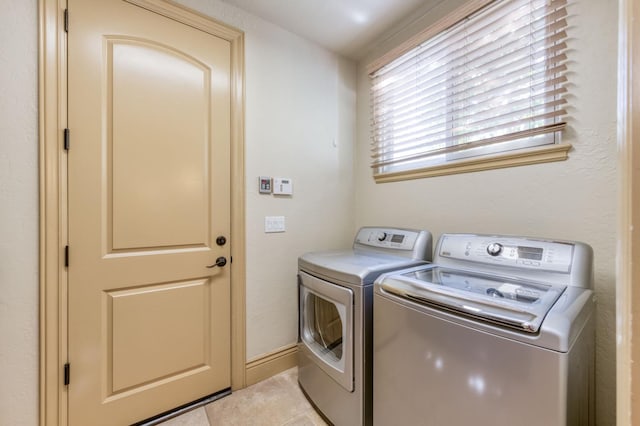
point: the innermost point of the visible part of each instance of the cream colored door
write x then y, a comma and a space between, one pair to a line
149, 177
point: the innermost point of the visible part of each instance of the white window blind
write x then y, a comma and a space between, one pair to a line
492, 82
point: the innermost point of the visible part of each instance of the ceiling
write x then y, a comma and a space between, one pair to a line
347, 27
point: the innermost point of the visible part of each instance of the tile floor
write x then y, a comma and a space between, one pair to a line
277, 401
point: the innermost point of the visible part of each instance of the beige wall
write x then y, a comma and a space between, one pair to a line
300, 99
575, 199
18, 214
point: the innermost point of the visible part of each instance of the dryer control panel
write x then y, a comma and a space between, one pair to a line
387, 237
412, 243
509, 251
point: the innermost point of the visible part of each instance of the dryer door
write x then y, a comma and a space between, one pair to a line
326, 327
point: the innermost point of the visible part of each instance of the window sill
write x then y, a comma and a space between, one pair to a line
543, 154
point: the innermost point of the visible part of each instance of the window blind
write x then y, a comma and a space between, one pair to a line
493, 82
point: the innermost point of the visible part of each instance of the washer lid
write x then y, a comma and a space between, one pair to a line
506, 301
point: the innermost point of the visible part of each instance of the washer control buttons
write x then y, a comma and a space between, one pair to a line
494, 249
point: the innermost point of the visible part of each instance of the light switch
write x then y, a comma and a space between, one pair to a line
274, 224
282, 186
264, 185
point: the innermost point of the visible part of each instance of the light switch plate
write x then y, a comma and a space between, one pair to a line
274, 224
264, 185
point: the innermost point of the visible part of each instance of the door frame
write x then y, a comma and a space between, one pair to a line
628, 270
52, 107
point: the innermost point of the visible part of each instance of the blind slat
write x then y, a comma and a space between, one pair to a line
398, 131
404, 105
548, 50
505, 31
440, 42
428, 141
429, 108
551, 128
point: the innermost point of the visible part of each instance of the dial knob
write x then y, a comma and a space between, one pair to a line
494, 249
382, 236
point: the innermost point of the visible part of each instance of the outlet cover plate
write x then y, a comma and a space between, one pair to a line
274, 224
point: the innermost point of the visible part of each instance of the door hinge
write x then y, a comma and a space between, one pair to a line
67, 374
66, 20
67, 140
66, 256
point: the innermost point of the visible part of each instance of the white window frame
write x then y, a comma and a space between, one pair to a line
530, 150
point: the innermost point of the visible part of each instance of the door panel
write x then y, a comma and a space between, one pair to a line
160, 100
149, 191
144, 322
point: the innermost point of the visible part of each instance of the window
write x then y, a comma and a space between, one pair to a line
476, 86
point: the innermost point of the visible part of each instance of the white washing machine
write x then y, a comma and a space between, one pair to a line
335, 308
497, 331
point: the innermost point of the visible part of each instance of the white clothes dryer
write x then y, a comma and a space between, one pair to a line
335, 316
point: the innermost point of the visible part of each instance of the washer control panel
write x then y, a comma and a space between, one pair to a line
509, 251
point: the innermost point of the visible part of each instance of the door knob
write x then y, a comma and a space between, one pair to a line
220, 262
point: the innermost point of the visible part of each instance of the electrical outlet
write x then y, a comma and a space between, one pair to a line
274, 224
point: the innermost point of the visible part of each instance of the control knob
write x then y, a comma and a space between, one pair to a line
494, 249
382, 236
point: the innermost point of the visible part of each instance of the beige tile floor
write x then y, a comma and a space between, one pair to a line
277, 401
